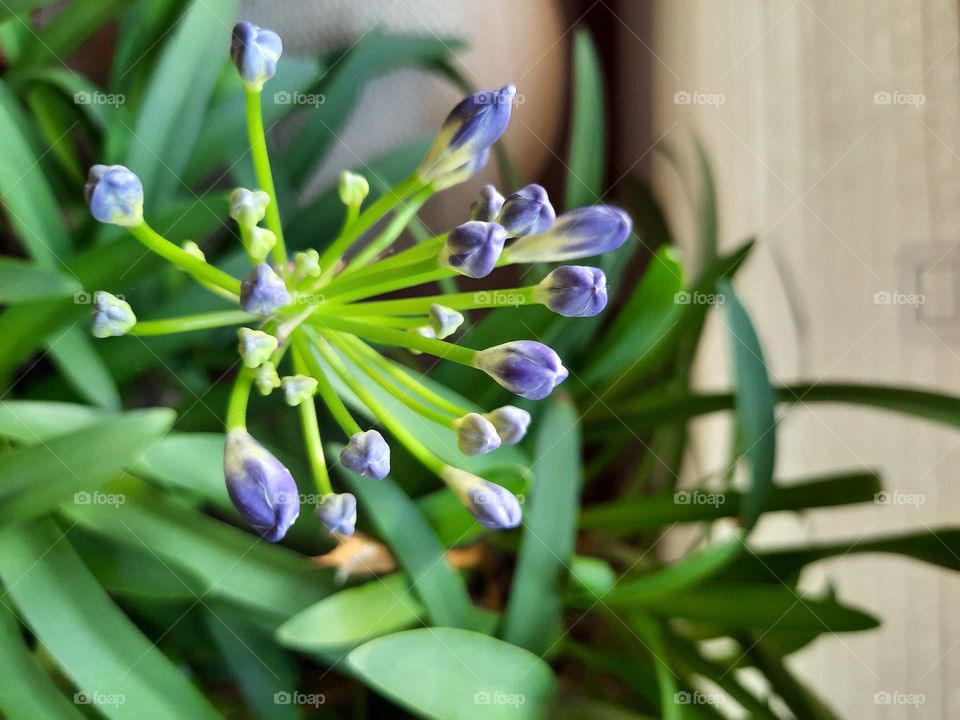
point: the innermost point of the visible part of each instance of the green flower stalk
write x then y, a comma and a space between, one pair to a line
327, 307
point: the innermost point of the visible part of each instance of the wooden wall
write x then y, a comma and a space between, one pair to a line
851, 194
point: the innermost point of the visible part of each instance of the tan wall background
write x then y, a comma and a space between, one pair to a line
852, 197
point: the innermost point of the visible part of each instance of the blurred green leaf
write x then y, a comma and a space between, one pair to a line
23, 281
55, 120
39, 477
34, 421
95, 644
76, 22
666, 509
458, 674
73, 351
353, 616
755, 405
532, 617
666, 679
586, 157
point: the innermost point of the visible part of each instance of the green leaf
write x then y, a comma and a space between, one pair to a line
666, 680
353, 616
15, 7
73, 351
648, 513
397, 519
648, 314
22, 281
758, 606
33, 421
59, 39
27, 692
755, 405
175, 103
28, 201
95, 644
274, 581
587, 153
56, 120
532, 618
39, 477
189, 461
458, 674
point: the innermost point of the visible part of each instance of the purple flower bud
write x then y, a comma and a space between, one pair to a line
487, 204
112, 316
475, 434
255, 51
573, 291
579, 233
263, 292
443, 321
525, 367
493, 506
472, 249
261, 488
338, 512
367, 453
472, 126
510, 422
115, 195
527, 212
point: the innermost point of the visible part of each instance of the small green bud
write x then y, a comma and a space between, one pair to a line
298, 388
260, 242
307, 264
248, 207
353, 189
256, 346
193, 249
266, 378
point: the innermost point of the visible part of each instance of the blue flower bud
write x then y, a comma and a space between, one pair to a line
115, 195
266, 378
472, 249
255, 51
493, 506
472, 126
248, 207
353, 188
261, 488
579, 233
367, 453
475, 434
444, 321
510, 422
298, 389
112, 316
263, 292
525, 367
573, 291
487, 204
527, 212
338, 512
255, 346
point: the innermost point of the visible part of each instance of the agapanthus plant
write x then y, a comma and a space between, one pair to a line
310, 325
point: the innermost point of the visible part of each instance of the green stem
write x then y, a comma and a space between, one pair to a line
460, 301
368, 218
398, 429
398, 223
239, 398
399, 338
403, 378
311, 435
200, 269
189, 323
357, 288
261, 166
429, 248
325, 389
379, 377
